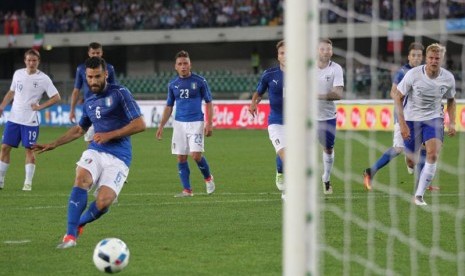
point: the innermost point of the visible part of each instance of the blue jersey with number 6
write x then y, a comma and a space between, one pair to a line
109, 110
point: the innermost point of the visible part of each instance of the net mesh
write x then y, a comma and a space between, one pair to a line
382, 232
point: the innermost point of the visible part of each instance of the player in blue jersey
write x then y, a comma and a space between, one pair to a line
188, 90
272, 80
80, 84
104, 166
415, 58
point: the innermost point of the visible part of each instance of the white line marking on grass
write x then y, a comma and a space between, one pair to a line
17, 242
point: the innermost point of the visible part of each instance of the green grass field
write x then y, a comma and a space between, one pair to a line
237, 230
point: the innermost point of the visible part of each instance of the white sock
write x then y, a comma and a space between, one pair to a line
3, 168
328, 161
426, 176
30, 169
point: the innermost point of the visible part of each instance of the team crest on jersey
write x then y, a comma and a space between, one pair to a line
108, 101
193, 85
35, 84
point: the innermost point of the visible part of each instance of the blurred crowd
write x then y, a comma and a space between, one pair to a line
90, 15
59, 16
335, 11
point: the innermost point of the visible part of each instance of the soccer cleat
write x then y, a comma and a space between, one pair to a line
68, 242
418, 200
2, 184
27, 187
80, 230
433, 188
185, 193
327, 188
410, 170
367, 179
210, 185
280, 181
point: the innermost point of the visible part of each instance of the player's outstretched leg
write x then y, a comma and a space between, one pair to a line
76, 205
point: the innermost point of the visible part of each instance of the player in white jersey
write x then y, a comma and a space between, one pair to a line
415, 58
330, 83
26, 90
422, 118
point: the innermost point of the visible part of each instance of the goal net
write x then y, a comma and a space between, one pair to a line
353, 231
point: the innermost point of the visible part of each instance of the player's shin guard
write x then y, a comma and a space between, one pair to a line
204, 168
76, 205
91, 214
426, 177
184, 175
279, 164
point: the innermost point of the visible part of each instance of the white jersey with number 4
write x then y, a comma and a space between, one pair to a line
328, 77
425, 94
29, 90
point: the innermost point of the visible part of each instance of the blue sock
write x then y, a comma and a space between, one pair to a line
204, 168
184, 174
92, 213
279, 164
387, 156
76, 205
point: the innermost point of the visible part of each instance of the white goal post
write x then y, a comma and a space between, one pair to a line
301, 180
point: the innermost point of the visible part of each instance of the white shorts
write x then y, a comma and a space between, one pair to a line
106, 169
397, 141
276, 134
89, 136
187, 137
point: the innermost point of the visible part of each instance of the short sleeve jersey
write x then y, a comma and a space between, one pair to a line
29, 90
188, 94
425, 94
109, 110
272, 80
328, 77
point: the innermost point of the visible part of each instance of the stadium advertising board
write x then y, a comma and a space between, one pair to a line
377, 115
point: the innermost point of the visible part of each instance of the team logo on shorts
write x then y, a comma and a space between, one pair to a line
88, 160
193, 85
108, 101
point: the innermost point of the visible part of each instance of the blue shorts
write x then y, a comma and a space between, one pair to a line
14, 133
422, 131
327, 133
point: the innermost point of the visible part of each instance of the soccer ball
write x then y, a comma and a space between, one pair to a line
111, 255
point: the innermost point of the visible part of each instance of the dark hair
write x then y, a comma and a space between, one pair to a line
326, 40
96, 62
416, 46
95, 45
32, 52
280, 44
181, 54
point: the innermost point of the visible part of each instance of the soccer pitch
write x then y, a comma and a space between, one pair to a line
235, 231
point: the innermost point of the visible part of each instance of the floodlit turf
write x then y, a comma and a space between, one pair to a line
235, 231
